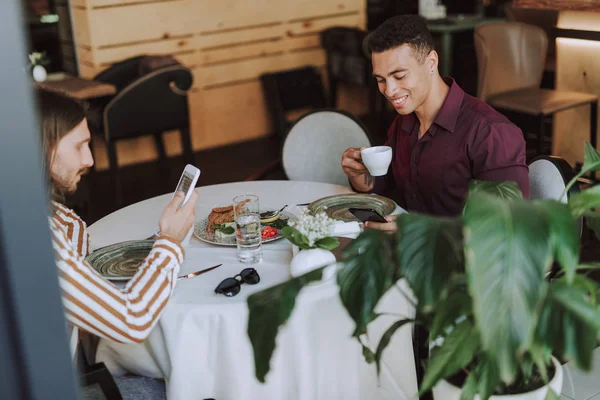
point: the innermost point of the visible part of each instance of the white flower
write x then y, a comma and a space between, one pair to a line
36, 58
314, 227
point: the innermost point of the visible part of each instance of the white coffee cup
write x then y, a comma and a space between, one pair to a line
377, 159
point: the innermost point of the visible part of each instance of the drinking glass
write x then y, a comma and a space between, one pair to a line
247, 220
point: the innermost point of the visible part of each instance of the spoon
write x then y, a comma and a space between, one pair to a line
271, 214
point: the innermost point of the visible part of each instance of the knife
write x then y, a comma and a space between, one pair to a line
193, 274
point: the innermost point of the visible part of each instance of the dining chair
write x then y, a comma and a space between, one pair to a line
313, 147
510, 60
292, 90
151, 99
545, 19
346, 62
548, 178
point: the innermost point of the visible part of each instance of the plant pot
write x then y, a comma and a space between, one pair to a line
39, 73
307, 260
446, 391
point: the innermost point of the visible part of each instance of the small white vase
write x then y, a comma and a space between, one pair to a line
39, 73
446, 391
307, 260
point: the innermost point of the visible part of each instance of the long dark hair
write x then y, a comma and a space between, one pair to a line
58, 115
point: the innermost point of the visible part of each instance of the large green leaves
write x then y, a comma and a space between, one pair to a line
564, 235
585, 201
593, 222
456, 352
269, 310
569, 322
483, 380
385, 340
456, 305
591, 158
429, 250
504, 190
369, 272
591, 162
508, 248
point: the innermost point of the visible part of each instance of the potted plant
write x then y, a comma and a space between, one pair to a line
37, 62
312, 240
482, 288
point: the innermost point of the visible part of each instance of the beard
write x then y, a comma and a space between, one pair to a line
62, 187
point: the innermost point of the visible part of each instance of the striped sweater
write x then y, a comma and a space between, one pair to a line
94, 304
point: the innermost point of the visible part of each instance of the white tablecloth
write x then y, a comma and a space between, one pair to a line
200, 345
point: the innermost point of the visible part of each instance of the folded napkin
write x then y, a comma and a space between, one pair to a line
346, 229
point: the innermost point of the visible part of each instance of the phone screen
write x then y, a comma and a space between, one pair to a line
365, 214
185, 182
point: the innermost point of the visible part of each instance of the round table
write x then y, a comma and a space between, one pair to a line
200, 345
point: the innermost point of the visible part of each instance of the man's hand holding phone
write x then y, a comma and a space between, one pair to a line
175, 222
389, 226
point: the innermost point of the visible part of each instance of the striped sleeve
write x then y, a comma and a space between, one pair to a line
97, 306
74, 227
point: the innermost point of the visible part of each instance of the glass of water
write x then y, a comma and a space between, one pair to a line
247, 220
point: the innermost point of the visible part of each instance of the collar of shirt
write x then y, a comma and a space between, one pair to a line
446, 117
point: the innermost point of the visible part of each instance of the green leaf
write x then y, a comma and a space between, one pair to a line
551, 395
582, 202
568, 324
374, 316
540, 355
589, 286
327, 243
591, 159
269, 310
295, 237
508, 248
469, 389
367, 354
429, 250
385, 340
456, 352
448, 311
366, 275
592, 220
591, 162
564, 235
488, 377
505, 190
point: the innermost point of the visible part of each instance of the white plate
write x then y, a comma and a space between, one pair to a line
209, 237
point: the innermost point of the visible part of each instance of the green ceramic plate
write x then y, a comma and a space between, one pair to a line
120, 261
337, 206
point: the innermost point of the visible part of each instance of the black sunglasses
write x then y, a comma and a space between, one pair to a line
231, 286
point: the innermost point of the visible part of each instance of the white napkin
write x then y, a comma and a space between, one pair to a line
346, 229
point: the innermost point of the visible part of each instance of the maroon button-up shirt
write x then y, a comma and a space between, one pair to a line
467, 140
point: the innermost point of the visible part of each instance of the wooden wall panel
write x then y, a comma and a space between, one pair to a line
580, 5
576, 64
227, 44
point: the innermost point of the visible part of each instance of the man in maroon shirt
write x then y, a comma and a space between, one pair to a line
442, 138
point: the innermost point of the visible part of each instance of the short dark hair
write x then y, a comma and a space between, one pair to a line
399, 30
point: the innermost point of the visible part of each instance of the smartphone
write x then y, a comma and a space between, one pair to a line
187, 182
367, 214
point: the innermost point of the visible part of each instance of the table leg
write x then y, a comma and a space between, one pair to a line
446, 57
